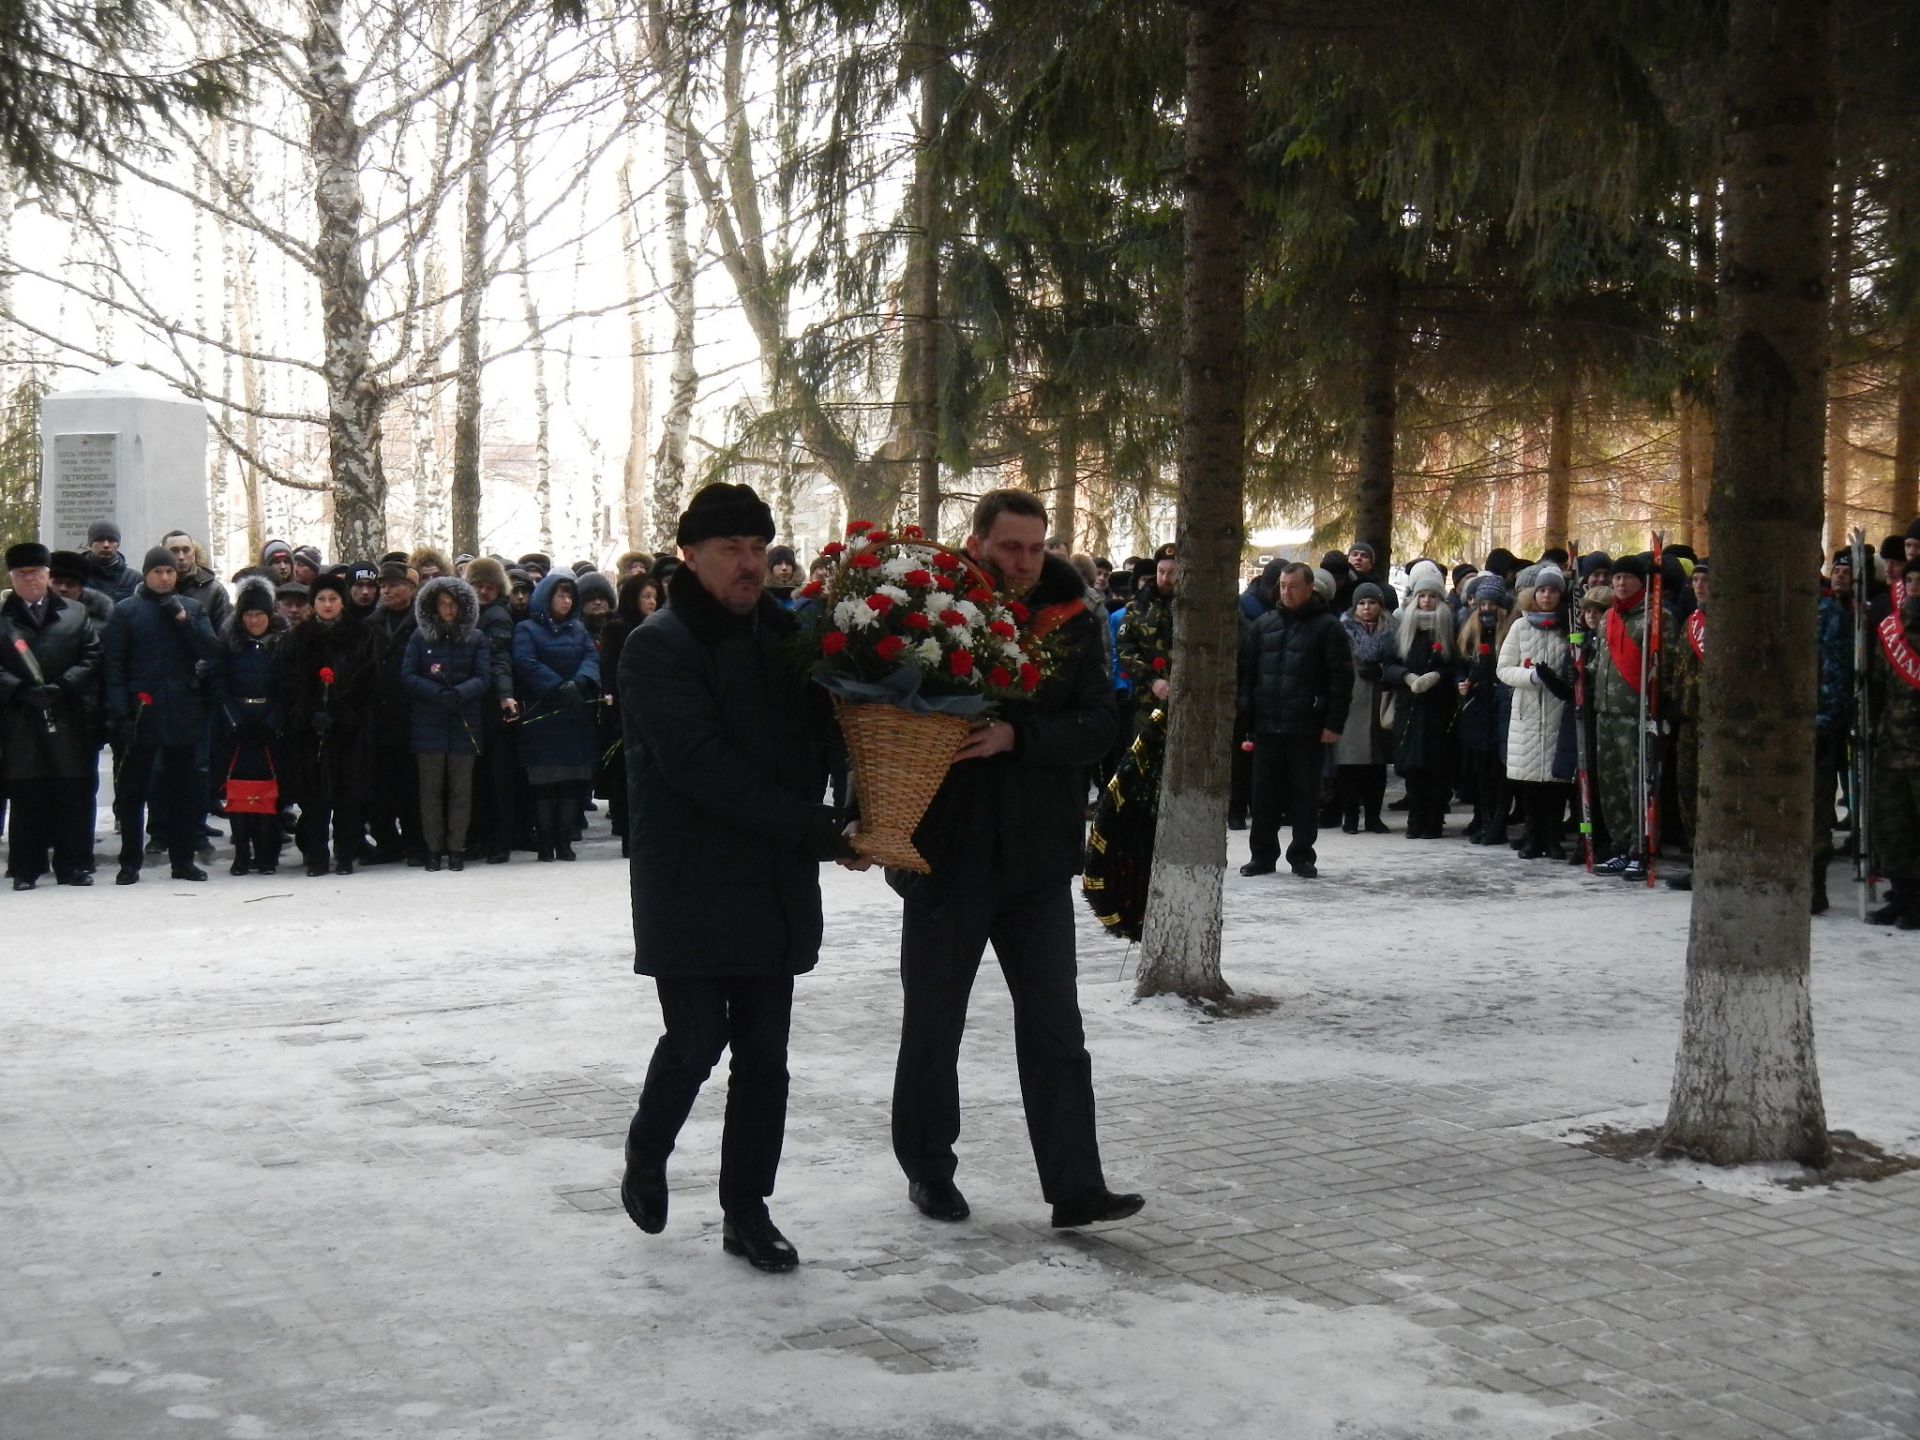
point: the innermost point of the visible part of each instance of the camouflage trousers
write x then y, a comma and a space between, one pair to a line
1896, 824
1616, 767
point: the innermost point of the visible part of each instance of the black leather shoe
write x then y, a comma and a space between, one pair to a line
79, 877
127, 876
1349, 827
759, 1241
564, 851
317, 868
239, 867
1376, 826
188, 872
1258, 867
343, 867
499, 857
1306, 871
1095, 1207
644, 1193
938, 1199
24, 884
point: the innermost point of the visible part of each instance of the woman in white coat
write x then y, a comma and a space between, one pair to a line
1536, 665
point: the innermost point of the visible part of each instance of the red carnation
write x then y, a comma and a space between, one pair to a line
144, 698
326, 674
859, 527
1159, 662
890, 647
833, 548
1018, 611
865, 560
918, 620
833, 642
1002, 629
912, 532
878, 537
945, 582
952, 617
917, 578
999, 678
943, 561
1486, 649
1029, 677
980, 596
882, 603
960, 662
811, 589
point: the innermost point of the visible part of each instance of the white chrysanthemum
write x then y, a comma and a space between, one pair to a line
968, 609
1011, 650
855, 615
928, 653
898, 567
895, 594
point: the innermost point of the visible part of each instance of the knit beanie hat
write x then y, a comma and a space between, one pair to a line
1367, 590
273, 548
1488, 589
1366, 549
158, 557
1524, 580
723, 509
103, 530
361, 572
1549, 577
1323, 585
1426, 579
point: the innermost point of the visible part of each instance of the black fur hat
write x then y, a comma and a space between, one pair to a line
723, 509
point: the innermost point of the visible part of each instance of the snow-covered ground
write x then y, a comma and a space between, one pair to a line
272, 1157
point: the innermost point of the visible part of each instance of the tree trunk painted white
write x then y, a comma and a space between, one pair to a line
1181, 944
355, 400
1746, 1086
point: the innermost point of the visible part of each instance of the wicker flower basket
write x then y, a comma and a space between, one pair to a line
899, 760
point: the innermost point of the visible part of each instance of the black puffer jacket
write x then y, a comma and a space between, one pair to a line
724, 735
1296, 672
1020, 816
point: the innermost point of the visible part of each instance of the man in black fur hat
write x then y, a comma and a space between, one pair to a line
724, 763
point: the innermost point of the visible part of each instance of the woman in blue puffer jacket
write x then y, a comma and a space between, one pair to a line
556, 670
447, 671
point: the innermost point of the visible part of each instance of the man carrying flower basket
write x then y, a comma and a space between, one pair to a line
723, 737
1002, 841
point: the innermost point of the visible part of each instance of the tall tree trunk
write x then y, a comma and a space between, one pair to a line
355, 400
670, 463
639, 402
473, 295
536, 348
1905, 501
1687, 461
1066, 475
1839, 382
1099, 482
1745, 1084
1559, 524
1706, 287
1379, 384
1181, 946
923, 268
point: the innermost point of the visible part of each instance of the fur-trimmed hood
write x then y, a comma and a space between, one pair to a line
232, 634
426, 609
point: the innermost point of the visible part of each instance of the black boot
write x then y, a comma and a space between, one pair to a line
241, 851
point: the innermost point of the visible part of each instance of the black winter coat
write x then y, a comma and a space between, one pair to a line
1296, 672
203, 585
67, 651
392, 702
248, 713
335, 767
724, 736
1020, 817
149, 652
496, 624
1423, 724
116, 579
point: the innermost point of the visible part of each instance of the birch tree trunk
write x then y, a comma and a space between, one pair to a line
473, 296
1745, 1085
670, 463
354, 397
639, 402
1181, 944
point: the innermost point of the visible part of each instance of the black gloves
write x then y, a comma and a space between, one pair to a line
43, 697
447, 700
173, 607
1370, 670
569, 695
323, 722
1554, 681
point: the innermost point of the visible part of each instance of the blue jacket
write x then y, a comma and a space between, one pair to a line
149, 652
548, 654
444, 660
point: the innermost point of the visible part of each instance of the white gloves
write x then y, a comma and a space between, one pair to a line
1420, 684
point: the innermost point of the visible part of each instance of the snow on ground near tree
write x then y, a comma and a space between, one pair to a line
267, 1127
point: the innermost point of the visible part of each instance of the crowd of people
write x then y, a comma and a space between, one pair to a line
412, 709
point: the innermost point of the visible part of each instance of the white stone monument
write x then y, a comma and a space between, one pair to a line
124, 447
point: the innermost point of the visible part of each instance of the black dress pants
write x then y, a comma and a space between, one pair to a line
941, 945
749, 1014
178, 802
50, 816
1286, 788
393, 817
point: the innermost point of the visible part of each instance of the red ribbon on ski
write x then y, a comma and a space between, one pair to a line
1623, 648
1900, 655
1697, 634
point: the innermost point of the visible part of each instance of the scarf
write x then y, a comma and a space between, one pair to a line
1697, 634
1622, 648
1900, 657
1544, 619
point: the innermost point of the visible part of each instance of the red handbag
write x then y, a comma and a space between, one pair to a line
253, 797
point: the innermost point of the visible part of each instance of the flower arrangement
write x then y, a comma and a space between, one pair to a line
905, 621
